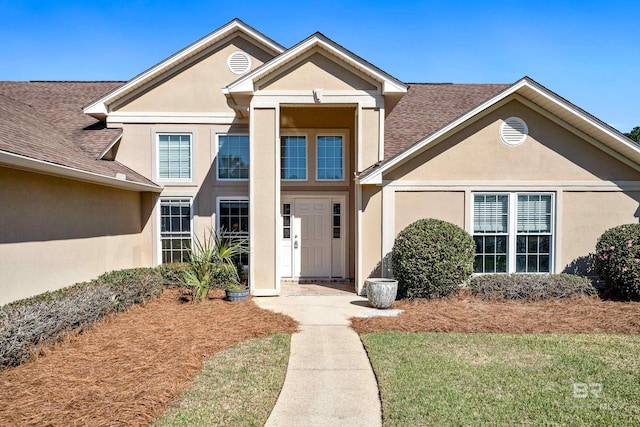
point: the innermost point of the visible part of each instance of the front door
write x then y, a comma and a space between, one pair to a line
308, 245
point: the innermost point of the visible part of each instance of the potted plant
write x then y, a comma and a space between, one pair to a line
381, 292
228, 271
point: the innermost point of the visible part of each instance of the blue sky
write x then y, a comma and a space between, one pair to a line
586, 51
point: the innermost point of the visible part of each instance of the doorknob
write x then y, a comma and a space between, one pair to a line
295, 244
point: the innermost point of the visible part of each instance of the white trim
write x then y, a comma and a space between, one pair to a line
47, 168
266, 99
344, 159
252, 209
359, 279
306, 160
99, 107
278, 202
389, 83
527, 89
169, 181
215, 157
158, 238
119, 117
515, 185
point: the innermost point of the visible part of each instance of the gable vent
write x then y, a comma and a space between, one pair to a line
239, 62
513, 131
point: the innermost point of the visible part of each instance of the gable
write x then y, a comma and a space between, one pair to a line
550, 153
194, 86
315, 70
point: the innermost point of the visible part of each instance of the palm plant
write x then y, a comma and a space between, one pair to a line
227, 251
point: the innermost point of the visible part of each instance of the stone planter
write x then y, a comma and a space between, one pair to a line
235, 296
381, 293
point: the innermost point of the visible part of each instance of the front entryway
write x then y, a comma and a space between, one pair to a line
312, 237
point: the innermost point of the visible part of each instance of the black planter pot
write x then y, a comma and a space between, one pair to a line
235, 296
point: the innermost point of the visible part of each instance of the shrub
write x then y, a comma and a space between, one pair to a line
617, 260
29, 323
173, 274
431, 258
529, 287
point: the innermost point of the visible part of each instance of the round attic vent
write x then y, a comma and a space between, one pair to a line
513, 131
239, 62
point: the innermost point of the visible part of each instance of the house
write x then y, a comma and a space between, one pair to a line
313, 154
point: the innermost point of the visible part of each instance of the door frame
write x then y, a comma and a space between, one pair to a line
343, 198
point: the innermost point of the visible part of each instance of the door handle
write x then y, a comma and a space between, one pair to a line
295, 244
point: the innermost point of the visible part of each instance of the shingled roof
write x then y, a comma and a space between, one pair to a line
428, 107
44, 121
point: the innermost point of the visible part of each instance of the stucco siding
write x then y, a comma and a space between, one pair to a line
411, 206
56, 232
550, 153
371, 233
196, 88
586, 215
315, 71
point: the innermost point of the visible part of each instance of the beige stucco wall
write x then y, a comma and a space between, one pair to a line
198, 87
370, 137
56, 232
586, 215
264, 207
411, 206
550, 153
371, 228
315, 70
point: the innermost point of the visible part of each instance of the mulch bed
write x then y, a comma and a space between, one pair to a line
129, 367
467, 314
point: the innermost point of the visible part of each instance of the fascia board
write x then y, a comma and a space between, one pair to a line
27, 163
99, 107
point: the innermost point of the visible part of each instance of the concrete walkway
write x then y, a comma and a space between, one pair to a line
329, 379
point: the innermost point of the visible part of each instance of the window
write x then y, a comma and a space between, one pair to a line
513, 232
336, 220
175, 229
233, 219
293, 158
233, 157
329, 158
286, 220
174, 156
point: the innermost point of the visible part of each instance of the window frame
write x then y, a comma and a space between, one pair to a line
160, 238
512, 227
217, 158
306, 160
235, 199
317, 157
157, 157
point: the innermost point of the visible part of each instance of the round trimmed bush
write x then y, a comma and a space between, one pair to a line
431, 258
617, 260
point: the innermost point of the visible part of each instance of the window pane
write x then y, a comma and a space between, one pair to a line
233, 156
175, 231
234, 220
521, 264
293, 157
490, 213
329, 158
174, 156
534, 213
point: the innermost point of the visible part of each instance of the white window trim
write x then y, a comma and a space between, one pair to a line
344, 157
306, 160
512, 227
157, 158
159, 221
217, 214
215, 155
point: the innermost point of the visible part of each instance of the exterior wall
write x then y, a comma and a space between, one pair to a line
371, 229
196, 88
57, 232
411, 206
371, 151
315, 71
550, 153
586, 215
264, 209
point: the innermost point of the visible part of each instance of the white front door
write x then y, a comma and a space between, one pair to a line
307, 238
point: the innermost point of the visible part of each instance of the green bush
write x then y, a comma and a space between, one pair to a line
529, 287
431, 258
173, 274
29, 323
617, 260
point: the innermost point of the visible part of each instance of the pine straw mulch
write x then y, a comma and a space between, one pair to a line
127, 369
467, 314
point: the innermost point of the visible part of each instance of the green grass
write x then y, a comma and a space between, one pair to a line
238, 386
501, 379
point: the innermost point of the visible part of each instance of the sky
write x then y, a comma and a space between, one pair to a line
585, 51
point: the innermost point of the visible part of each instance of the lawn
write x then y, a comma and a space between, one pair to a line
506, 379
